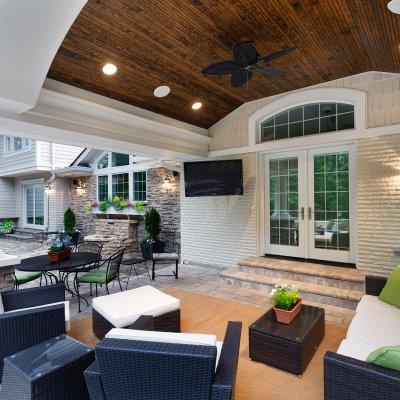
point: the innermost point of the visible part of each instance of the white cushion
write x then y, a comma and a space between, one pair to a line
66, 308
124, 308
355, 349
167, 337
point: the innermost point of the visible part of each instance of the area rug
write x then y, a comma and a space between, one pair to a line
205, 314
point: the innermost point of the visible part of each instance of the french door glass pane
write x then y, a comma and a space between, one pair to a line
39, 205
331, 201
30, 213
284, 201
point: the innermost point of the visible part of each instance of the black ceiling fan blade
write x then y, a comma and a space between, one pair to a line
240, 77
221, 68
266, 71
245, 53
277, 54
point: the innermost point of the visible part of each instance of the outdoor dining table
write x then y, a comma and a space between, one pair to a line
78, 261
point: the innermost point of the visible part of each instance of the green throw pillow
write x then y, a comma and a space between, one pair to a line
391, 292
387, 357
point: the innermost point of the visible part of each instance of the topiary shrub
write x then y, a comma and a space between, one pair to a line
69, 221
152, 223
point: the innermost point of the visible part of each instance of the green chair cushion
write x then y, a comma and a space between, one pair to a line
96, 276
21, 277
387, 357
391, 292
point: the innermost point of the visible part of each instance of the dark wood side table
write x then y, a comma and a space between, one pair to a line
287, 347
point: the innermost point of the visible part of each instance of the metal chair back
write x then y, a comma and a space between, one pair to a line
91, 247
114, 263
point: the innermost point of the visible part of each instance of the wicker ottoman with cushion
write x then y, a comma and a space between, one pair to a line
120, 310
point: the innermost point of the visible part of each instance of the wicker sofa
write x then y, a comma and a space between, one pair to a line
347, 375
30, 318
158, 370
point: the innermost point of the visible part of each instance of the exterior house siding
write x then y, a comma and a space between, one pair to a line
7, 198
383, 93
221, 230
58, 201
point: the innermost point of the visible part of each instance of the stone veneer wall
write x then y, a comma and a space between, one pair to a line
378, 203
167, 203
221, 230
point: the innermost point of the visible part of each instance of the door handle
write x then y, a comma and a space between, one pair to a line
309, 213
302, 213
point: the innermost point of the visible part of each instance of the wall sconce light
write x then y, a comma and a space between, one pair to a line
48, 188
80, 186
167, 184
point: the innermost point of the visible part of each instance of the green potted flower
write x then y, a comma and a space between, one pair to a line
150, 242
7, 226
287, 303
59, 249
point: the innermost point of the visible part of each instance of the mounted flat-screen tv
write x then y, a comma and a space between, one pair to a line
213, 178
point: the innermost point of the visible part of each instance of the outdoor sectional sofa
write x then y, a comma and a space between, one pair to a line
376, 324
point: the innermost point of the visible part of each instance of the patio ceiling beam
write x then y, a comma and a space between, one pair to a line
61, 118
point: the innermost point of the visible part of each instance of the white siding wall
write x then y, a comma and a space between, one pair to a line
18, 162
383, 92
44, 155
221, 230
7, 198
58, 202
65, 155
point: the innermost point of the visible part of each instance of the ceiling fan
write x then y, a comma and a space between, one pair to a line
246, 61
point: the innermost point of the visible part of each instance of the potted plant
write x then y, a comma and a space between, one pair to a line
59, 249
70, 227
287, 303
7, 226
152, 224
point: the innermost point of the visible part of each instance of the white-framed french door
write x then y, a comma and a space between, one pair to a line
310, 203
34, 205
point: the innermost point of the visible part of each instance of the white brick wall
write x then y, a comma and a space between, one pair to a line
378, 203
221, 230
383, 93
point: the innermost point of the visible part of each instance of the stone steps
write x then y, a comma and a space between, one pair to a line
23, 235
334, 286
339, 277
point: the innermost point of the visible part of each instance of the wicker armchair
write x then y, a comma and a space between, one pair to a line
159, 371
21, 328
347, 378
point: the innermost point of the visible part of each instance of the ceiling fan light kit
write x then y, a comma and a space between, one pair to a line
246, 61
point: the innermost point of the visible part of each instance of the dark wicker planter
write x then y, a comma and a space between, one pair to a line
63, 255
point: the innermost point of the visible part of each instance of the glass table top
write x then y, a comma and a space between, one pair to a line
48, 356
296, 330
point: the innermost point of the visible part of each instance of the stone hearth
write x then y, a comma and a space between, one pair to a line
115, 233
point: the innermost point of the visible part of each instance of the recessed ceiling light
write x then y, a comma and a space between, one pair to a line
162, 91
197, 105
109, 69
394, 6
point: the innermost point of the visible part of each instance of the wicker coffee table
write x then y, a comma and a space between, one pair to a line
287, 347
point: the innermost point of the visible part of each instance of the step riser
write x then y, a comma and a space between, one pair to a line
266, 288
19, 239
337, 283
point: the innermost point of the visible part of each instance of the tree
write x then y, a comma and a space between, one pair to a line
152, 223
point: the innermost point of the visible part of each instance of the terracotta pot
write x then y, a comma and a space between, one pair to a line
285, 316
59, 256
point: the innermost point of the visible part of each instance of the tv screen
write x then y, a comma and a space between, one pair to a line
213, 178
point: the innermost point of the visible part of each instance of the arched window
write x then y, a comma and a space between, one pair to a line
308, 119
103, 163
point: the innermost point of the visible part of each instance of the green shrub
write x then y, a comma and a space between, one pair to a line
152, 223
284, 296
69, 220
7, 226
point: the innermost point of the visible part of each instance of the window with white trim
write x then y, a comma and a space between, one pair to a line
14, 144
308, 119
119, 175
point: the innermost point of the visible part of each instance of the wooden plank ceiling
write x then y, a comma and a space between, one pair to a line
169, 42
